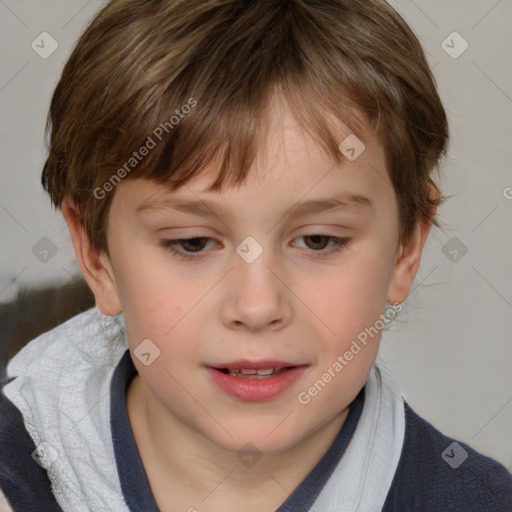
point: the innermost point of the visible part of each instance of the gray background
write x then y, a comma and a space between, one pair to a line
451, 346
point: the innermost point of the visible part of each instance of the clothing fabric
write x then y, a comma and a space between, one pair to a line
65, 393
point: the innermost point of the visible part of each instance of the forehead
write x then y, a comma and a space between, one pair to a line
290, 167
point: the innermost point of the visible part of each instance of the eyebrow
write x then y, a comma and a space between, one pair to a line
350, 202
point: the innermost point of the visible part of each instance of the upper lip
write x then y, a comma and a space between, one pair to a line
263, 364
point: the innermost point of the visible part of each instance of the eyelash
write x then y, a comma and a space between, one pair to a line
170, 245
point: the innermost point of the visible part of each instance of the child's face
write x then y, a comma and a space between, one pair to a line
297, 303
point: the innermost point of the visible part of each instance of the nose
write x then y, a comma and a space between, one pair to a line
256, 298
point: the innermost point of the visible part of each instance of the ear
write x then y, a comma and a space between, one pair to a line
95, 266
408, 259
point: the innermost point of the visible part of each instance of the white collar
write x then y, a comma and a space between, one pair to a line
363, 477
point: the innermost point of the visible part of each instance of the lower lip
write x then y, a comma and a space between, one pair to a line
256, 390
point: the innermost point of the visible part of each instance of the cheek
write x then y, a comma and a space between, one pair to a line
350, 310
159, 304
162, 328
153, 294
353, 295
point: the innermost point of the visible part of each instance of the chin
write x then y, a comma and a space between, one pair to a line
263, 437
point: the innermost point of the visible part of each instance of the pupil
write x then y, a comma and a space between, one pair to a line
317, 240
195, 246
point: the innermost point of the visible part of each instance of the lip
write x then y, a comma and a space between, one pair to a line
262, 364
256, 390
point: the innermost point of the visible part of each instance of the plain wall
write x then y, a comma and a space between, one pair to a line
451, 347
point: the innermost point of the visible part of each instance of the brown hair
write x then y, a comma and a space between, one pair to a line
140, 62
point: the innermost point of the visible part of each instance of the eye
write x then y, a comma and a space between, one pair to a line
318, 242
193, 247
196, 244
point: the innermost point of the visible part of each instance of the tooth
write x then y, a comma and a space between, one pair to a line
249, 373
265, 372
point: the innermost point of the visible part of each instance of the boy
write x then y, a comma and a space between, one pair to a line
246, 185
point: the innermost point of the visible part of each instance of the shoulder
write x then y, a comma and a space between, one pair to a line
42, 375
23, 482
438, 473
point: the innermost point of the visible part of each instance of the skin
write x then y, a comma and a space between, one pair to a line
289, 304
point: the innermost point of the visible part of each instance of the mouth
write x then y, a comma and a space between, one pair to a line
255, 381
251, 373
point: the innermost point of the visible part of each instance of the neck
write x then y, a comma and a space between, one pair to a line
172, 451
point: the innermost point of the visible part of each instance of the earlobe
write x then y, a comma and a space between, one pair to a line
95, 265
